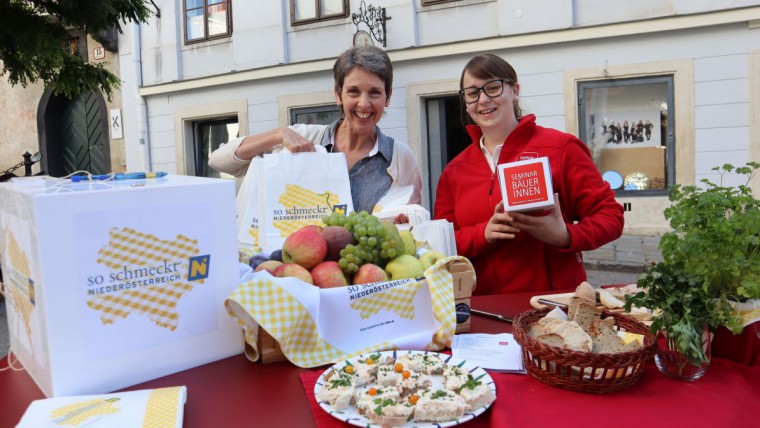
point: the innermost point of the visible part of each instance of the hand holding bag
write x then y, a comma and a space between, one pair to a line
299, 189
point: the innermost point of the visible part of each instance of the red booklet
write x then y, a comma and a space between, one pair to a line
526, 185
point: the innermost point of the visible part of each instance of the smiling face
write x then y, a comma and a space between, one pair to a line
492, 113
363, 100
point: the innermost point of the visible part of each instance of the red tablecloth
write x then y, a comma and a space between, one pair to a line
237, 393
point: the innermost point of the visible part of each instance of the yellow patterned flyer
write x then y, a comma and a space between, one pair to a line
319, 326
150, 408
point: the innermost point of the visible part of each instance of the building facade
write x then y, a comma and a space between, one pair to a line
80, 134
660, 90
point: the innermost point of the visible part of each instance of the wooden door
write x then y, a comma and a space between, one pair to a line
84, 135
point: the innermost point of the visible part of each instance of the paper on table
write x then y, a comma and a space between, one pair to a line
163, 407
497, 352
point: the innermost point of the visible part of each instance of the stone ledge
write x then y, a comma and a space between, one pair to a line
613, 266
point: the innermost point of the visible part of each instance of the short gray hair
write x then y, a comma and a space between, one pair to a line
368, 58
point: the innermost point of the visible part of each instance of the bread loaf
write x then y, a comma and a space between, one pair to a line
583, 312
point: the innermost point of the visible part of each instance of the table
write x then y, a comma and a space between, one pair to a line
235, 392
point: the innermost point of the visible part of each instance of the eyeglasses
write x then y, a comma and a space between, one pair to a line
492, 88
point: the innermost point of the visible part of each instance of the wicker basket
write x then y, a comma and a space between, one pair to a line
584, 371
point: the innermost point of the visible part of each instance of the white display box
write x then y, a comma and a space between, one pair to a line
113, 283
526, 185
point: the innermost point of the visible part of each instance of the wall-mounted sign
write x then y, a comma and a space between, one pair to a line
373, 19
116, 131
362, 38
99, 52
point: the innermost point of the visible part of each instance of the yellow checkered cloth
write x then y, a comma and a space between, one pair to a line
399, 300
164, 407
76, 414
297, 196
262, 302
128, 247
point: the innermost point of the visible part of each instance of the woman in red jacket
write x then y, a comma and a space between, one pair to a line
521, 251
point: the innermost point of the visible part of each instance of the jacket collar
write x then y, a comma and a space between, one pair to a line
526, 125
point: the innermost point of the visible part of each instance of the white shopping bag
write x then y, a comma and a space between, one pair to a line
250, 225
300, 189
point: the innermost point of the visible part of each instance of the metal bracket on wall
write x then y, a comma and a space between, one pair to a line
374, 18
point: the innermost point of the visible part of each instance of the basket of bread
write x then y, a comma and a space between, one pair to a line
584, 347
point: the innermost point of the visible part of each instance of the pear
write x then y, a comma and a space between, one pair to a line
429, 258
404, 266
410, 246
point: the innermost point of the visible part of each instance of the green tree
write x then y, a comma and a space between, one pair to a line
34, 41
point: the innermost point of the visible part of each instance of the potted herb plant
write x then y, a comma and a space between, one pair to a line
711, 259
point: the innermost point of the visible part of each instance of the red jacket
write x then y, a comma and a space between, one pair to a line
468, 193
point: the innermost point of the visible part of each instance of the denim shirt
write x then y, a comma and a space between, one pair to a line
369, 177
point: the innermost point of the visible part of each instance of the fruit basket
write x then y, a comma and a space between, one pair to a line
463, 284
584, 371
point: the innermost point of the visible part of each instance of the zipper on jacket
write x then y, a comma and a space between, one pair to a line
490, 189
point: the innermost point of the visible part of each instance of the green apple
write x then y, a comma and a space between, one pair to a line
429, 258
410, 246
404, 266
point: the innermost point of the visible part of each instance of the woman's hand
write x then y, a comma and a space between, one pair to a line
550, 228
255, 145
294, 142
499, 226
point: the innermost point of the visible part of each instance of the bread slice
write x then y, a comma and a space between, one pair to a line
551, 339
389, 414
586, 291
337, 390
609, 301
536, 329
479, 396
575, 338
440, 406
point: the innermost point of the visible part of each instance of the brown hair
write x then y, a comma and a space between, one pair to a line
369, 58
489, 66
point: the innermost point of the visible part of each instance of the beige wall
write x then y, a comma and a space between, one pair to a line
18, 117
118, 153
18, 122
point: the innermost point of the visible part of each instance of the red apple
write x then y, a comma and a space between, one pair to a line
370, 273
269, 266
337, 237
328, 274
293, 270
305, 247
314, 227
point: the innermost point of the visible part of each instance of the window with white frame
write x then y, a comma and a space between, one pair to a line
207, 19
629, 127
308, 11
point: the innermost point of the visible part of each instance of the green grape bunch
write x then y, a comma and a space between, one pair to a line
376, 241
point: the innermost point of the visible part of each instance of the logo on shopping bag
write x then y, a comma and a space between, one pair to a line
340, 209
300, 206
198, 268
